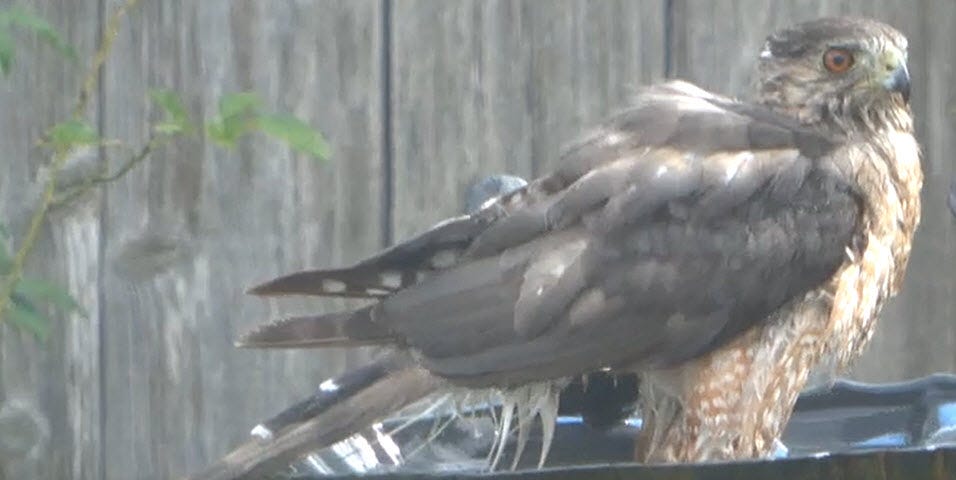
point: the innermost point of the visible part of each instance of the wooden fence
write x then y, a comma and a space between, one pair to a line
418, 98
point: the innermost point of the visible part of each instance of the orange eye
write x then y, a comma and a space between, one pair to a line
838, 60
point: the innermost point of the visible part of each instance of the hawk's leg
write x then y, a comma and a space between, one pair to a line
734, 403
696, 428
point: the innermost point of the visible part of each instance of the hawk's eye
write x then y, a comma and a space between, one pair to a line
838, 60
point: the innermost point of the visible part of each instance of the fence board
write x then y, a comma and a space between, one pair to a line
483, 87
922, 333
49, 392
715, 44
194, 228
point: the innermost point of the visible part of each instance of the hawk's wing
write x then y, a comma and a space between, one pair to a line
676, 225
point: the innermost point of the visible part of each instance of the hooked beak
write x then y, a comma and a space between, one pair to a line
898, 81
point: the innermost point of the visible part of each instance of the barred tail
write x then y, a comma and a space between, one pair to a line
332, 420
340, 329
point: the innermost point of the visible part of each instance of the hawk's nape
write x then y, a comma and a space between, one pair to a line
719, 248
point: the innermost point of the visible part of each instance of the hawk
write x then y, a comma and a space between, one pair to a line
719, 248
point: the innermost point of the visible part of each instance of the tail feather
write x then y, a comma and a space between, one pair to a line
356, 399
407, 263
351, 328
256, 459
391, 270
357, 282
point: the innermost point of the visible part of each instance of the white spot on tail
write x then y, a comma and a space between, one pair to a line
391, 279
377, 291
333, 286
444, 259
329, 386
261, 433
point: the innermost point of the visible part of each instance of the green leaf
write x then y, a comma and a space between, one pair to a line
227, 131
236, 112
298, 134
178, 118
6, 52
21, 18
167, 128
235, 104
40, 291
73, 133
216, 131
25, 316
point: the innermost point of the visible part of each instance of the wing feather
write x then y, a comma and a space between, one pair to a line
391, 270
661, 234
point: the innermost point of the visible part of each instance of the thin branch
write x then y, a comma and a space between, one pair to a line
95, 181
102, 53
60, 157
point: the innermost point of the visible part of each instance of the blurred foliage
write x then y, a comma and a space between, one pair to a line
32, 297
19, 18
239, 114
298, 134
177, 119
27, 302
71, 134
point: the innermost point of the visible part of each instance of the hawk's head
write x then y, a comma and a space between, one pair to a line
850, 73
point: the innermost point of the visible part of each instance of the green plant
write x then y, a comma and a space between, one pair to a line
23, 300
20, 18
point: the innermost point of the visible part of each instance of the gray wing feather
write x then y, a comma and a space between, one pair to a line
666, 231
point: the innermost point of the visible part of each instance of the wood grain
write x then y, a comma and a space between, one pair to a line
485, 87
187, 234
49, 392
